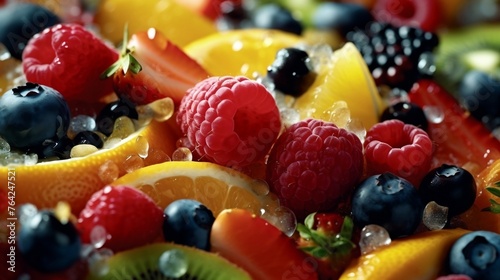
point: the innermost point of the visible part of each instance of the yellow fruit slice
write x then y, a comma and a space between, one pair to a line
419, 257
215, 186
177, 22
345, 79
240, 52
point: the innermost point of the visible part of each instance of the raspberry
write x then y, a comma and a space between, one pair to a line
402, 149
232, 121
70, 59
454, 277
313, 165
130, 217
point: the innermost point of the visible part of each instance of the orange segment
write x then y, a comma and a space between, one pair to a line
418, 257
215, 186
240, 52
345, 79
177, 22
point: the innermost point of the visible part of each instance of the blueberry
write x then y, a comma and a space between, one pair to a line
343, 17
60, 148
88, 137
292, 71
476, 254
20, 21
31, 115
450, 186
406, 112
274, 16
188, 222
106, 118
480, 94
388, 201
47, 244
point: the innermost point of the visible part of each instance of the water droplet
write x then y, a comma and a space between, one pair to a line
82, 150
132, 163
122, 128
108, 172
173, 263
435, 216
98, 236
182, 154
142, 146
98, 263
434, 114
81, 123
26, 211
283, 218
4, 146
260, 187
163, 109
373, 237
426, 64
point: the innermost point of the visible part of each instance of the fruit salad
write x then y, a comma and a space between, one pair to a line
250, 139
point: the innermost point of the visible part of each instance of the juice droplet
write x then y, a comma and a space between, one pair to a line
142, 146
173, 263
373, 237
122, 128
182, 154
163, 109
433, 114
283, 218
435, 216
108, 172
98, 236
260, 187
132, 163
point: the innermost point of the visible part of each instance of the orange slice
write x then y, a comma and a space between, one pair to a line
177, 22
75, 180
345, 79
419, 257
215, 186
240, 52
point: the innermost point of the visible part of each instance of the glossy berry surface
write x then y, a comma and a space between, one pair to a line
59, 149
312, 165
476, 254
231, 121
388, 201
88, 137
402, 149
407, 112
188, 222
450, 186
292, 71
32, 114
342, 17
19, 22
479, 93
274, 16
47, 244
70, 59
106, 118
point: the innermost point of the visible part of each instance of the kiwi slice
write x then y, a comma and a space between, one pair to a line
143, 263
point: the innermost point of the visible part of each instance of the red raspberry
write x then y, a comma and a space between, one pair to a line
70, 59
454, 277
313, 164
232, 121
130, 217
402, 149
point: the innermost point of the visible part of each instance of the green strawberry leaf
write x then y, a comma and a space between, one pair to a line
495, 206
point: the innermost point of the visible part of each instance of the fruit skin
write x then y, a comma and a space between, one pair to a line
165, 70
406, 112
239, 236
425, 14
275, 16
313, 165
32, 114
129, 217
479, 93
47, 244
232, 121
402, 149
70, 59
388, 201
459, 139
342, 17
188, 222
450, 186
476, 255
19, 22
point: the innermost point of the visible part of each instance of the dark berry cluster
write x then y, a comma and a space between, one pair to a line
396, 56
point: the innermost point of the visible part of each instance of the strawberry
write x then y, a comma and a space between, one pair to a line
129, 217
425, 14
151, 67
259, 247
458, 138
328, 238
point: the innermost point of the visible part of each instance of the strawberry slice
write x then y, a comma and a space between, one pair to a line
151, 67
459, 138
259, 247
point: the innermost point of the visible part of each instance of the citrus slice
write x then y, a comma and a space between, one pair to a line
75, 180
240, 52
215, 186
345, 78
418, 257
177, 22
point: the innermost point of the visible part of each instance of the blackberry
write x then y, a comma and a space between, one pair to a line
107, 116
394, 54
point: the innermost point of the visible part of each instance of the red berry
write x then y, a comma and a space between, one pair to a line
70, 59
232, 121
454, 277
129, 217
425, 14
402, 149
313, 164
